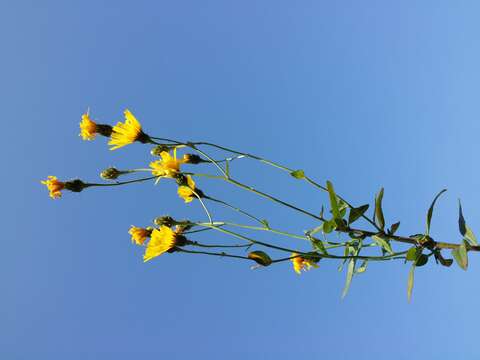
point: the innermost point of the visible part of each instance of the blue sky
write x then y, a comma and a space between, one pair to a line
365, 94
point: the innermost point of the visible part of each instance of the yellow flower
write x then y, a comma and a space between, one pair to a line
168, 166
127, 133
54, 186
161, 241
187, 192
88, 128
300, 263
139, 235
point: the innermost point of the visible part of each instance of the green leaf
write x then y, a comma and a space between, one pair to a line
380, 241
356, 213
328, 227
348, 281
318, 245
430, 210
464, 228
413, 253
422, 259
410, 282
333, 201
298, 174
362, 268
460, 256
442, 260
379, 219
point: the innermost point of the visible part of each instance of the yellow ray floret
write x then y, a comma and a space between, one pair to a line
186, 192
167, 166
127, 132
300, 263
54, 186
88, 128
161, 241
139, 235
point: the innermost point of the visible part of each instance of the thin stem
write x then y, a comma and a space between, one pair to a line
222, 254
124, 182
234, 208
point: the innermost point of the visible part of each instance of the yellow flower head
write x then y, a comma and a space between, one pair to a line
54, 186
127, 132
88, 128
161, 241
186, 192
300, 263
139, 235
168, 166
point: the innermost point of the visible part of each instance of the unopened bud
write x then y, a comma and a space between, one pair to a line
76, 185
260, 257
164, 220
110, 174
192, 159
157, 150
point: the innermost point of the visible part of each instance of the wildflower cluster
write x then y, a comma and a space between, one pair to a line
174, 161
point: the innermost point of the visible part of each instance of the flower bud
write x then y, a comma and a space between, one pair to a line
192, 159
157, 150
76, 185
111, 173
164, 220
260, 257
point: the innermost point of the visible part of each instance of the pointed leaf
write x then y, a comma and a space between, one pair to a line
460, 256
265, 223
430, 210
356, 213
421, 260
379, 219
333, 201
412, 253
383, 243
410, 282
348, 281
464, 228
394, 228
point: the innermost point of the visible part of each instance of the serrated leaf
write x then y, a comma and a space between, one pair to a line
382, 243
333, 201
379, 218
460, 256
298, 174
348, 281
430, 210
356, 213
410, 282
362, 268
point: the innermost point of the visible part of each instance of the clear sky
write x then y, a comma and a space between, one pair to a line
364, 93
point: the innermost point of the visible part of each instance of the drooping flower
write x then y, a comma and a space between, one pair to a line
88, 128
300, 263
54, 186
162, 240
127, 132
186, 192
167, 166
139, 235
